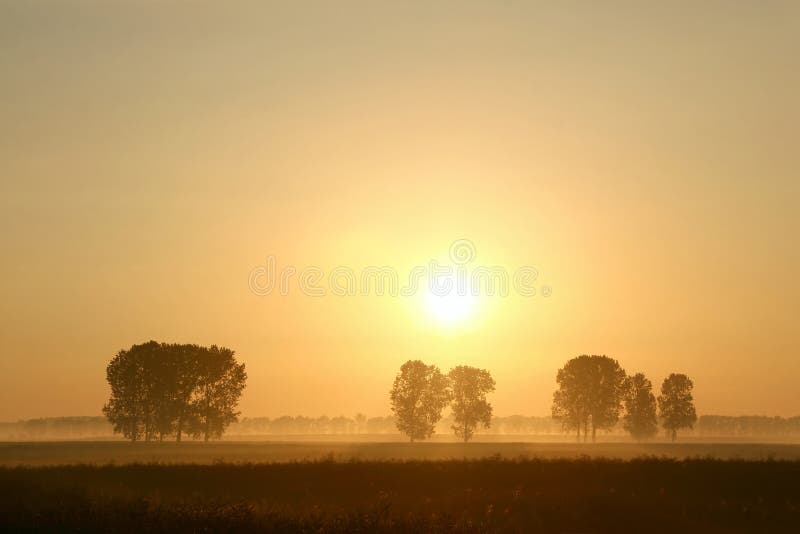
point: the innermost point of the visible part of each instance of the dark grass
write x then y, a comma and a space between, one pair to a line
488, 495
121, 452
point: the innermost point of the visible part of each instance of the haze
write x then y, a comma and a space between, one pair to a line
644, 159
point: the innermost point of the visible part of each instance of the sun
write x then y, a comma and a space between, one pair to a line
451, 308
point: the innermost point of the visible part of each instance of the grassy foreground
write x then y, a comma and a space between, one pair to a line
489, 495
122, 452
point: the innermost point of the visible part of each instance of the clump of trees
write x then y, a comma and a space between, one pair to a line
420, 392
594, 391
590, 394
160, 390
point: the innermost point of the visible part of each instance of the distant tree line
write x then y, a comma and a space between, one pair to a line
594, 392
302, 425
361, 424
83, 427
747, 425
160, 390
72, 427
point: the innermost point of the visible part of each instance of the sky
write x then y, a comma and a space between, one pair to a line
642, 156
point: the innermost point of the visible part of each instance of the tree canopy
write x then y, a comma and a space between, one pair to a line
676, 404
470, 408
590, 392
160, 389
640, 408
418, 395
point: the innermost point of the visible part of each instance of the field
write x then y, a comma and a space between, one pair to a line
399, 487
122, 452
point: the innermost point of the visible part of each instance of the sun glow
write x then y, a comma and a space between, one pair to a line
451, 308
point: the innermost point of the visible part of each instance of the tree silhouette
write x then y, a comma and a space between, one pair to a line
418, 395
469, 388
676, 404
159, 389
125, 408
590, 391
159, 384
187, 379
220, 384
360, 421
640, 408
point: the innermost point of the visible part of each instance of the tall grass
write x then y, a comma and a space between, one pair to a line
489, 495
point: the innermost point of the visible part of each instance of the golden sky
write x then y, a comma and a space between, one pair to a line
644, 158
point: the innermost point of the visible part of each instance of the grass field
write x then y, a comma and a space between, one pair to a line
399, 487
120, 452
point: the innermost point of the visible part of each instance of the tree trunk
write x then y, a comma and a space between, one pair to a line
594, 433
208, 412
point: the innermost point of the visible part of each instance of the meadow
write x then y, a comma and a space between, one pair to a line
399, 487
44, 453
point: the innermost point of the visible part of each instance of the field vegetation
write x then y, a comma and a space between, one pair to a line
478, 495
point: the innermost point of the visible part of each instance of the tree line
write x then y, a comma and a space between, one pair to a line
160, 390
595, 391
88, 427
361, 424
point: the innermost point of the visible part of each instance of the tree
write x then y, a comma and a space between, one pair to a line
143, 401
220, 384
124, 409
158, 370
418, 395
187, 379
590, 391
360, 423
676, 404
158, 389
640, 408
469, 388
